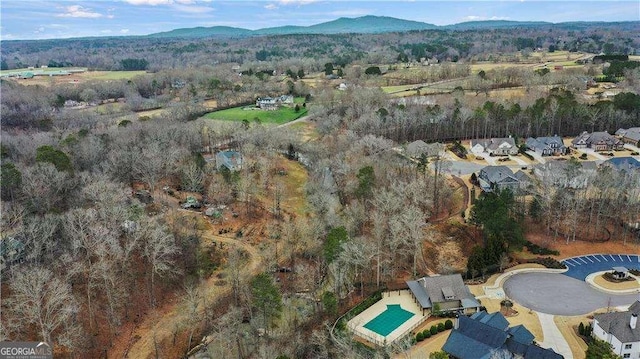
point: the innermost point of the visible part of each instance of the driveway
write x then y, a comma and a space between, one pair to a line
558, 294
490, 160
592, 153
518, 161
537, 156
553, 338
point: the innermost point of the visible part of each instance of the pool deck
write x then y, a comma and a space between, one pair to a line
405, 300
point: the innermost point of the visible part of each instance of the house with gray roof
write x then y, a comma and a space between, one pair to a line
547, 146
629, 135
598, 141
566, 174
448, 293
627, 164
621, 330
498, 178
232, 160
483, 335
494, 146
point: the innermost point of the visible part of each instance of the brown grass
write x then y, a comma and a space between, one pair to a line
601, 281
568, 327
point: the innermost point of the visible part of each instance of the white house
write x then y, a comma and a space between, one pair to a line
621, 330
494, 146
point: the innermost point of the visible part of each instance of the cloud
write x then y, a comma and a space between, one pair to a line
79, 11
192, 9
160, 2
484, 18
296, 2
271, 6
124, 31
149, 2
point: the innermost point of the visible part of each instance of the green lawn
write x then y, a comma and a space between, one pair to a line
113, 75
250, 113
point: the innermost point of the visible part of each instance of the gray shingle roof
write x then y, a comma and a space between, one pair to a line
618, 324
434, 285
495, 174
596, 137
429, 290
475, 338
417, 288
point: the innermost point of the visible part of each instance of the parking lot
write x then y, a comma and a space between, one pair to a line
580, 267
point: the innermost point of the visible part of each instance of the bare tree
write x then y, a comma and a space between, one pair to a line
41, 299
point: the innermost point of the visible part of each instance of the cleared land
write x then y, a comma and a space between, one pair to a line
251, 113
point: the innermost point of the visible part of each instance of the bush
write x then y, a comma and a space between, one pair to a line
433, 330
583, 156
536, 249
419, 337
440, 327
448, 324
581, 329
548, 262
426, 333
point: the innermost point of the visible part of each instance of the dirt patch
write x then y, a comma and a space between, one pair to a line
578, 248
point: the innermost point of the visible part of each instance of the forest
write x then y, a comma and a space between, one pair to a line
323, 213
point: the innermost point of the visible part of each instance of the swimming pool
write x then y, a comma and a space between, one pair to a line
389, 320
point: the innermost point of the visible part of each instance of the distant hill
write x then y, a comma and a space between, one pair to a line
495, 24
363, 25
225, 31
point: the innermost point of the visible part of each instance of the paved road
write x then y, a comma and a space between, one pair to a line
553, 338
558, 294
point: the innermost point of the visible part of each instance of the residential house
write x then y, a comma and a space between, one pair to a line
630, 135
627, 164
547, 146
483, 335
621, 330
495, 146
267, 103
598, 141
498, 178
232, 160
418, 148
565, 174
273, 103
446, 293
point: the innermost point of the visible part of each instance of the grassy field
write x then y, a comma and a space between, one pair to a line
251, 113
111, 75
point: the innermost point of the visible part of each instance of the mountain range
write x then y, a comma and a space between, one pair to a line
364, 25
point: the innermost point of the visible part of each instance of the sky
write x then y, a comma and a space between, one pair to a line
40, 19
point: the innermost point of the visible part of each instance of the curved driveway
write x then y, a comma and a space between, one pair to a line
558, 294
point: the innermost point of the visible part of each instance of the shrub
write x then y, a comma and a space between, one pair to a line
433, 330
536, 249
583, 156
419, 337
448, 324
440, 327
581, 329
426, 333
547, 262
